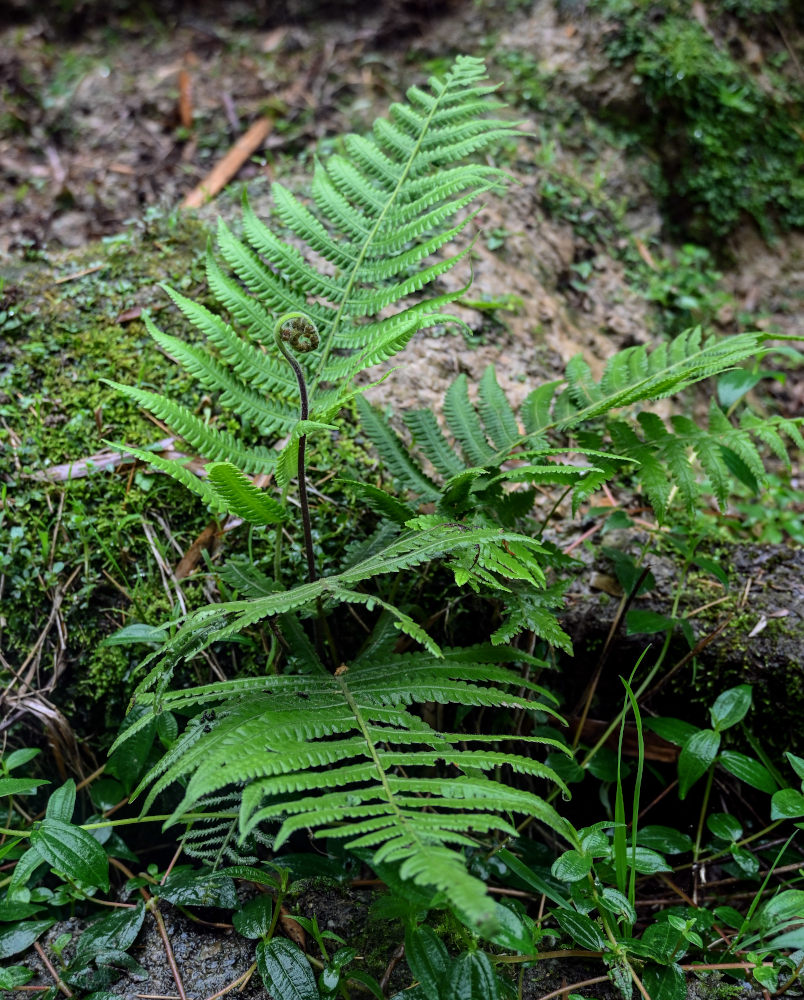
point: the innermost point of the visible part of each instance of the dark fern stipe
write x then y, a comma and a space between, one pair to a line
343, 750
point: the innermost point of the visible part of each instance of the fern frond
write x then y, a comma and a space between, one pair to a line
219, 446
241, 498
384, 503
219, 622
233, 391
464, 423
378, 215
176, 469
671, 456
215, 840
427, 434
497, 413
255, 366
344, 756
770, 430
394, 453
637, 375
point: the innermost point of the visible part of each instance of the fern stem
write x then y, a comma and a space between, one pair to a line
305, 511
553, 509
301, 333
383, 779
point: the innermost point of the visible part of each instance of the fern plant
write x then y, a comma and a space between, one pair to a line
330, 739
346, 731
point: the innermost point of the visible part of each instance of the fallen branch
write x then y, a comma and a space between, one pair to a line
223, 172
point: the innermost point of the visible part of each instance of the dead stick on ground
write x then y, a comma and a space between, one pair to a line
240, 981
224, 171
49, 966
151, 905
575, 986
78, 274
396, 958
25, 682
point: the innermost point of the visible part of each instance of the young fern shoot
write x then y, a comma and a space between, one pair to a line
298, 330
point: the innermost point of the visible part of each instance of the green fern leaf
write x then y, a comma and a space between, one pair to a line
465, 425
383, 503
636, 375
424, 427
394, 453
456, 497
241, 498
176, 469
498, 416
213, 444
259, 369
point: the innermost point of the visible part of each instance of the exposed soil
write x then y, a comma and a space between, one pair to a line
750, 633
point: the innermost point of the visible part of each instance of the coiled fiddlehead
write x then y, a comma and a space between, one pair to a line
298, 330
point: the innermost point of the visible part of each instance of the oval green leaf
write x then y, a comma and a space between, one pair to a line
797, 763
581, 929
19, 937
114, 933
724, 826
673, 730
285, 971
639, 622
781, 909
748, 770
696, 757
787, 804
730, 707
15, 975
20, 786
472, 977
665, 982
254, 919
665, 839
73, 852
61, 803
427, 959
645, 861
571, 866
